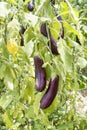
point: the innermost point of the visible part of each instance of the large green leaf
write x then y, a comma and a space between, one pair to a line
66, 55
66, 126
5, 100
4, 9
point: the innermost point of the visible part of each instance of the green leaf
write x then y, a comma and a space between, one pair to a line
4, 10
36, 105
44, 118
29, 113
9, 83
81, 62
5, 100
8, 120
32, 18
12, 1
55, 28
29, 91
2, 70
65, 126
66, 55
28, 35
29, 48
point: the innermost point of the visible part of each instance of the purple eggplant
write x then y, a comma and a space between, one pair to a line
43, 29
23, 29
77, 40
40, 75
59, 18
50, 93
31, 5
53, 45
52, 42
22, 41
61, 33
52, 1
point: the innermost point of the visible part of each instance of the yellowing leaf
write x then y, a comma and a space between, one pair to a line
12, 1
12, 46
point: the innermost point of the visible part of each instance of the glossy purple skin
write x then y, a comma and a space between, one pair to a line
50, 94
40, 75
53, 45
31, 5
43, 29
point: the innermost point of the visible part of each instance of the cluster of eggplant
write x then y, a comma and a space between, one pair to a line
40, 84
52, 42
40, 74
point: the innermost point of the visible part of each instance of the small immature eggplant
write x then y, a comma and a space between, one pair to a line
50, 94
22, 41
21, 32
53, 45
31, 5
77, 40
23, 29
43, 29
40, 75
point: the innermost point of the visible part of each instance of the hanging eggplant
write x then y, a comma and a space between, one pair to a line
77, 40
31, 5
50, 94
43, 29
52, 42
53, 45
52, 1
61, 33
40, 75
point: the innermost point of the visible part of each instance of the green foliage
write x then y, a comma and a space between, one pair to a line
19, 101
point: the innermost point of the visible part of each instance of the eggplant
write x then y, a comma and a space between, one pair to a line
31, 5
40, 75
62, 27
22, 41
22, 30
59, 18
52, 41
53, 45
53, 2
43, 29
77, 40
50, 93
